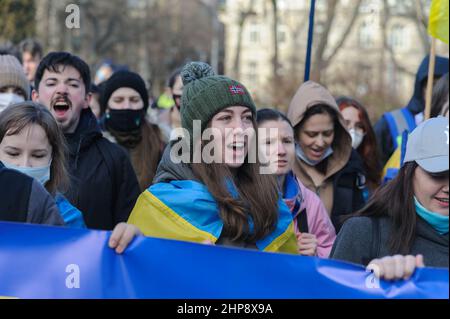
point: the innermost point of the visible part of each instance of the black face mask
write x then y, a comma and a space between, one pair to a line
124, 120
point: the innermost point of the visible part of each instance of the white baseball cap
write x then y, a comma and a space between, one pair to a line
428, 145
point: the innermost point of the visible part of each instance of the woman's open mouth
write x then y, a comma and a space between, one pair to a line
238, 149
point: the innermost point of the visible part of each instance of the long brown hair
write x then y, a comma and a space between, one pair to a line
146, 160
257, 197
145, 148
368, 149
16, 117
395, 200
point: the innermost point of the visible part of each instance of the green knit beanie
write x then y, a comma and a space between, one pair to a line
206, 94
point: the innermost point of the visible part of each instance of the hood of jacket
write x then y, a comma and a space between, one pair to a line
309, 95
417, 102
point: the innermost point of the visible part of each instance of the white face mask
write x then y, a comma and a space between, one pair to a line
302, 155
7, 99
357, 137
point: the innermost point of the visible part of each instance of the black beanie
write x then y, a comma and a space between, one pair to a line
124, 79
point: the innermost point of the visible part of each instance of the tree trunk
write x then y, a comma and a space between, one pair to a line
317, 65
275, 63
242, 19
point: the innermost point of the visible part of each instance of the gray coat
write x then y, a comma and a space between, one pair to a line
355, 242
42, 208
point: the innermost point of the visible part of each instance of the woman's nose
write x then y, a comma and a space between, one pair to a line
25, 162
320, 141
281, 149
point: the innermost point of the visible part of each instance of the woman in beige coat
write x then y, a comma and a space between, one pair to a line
325, 161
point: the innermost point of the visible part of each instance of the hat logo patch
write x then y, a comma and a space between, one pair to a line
236, 90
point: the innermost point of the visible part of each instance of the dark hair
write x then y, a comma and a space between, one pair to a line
440, 97
18, 116
55, 60
368, 149
7, 48
395, 200
31, 46
173, 78
94, 89
265, 115
322, 109
101, 87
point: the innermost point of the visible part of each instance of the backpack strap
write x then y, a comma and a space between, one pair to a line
410, 120
398, 122
302, 222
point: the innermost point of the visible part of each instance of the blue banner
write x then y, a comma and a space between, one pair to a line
51, 262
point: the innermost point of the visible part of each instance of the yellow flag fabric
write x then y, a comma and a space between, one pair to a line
438, 23
186, 211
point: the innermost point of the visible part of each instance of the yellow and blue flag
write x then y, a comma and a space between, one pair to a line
186, 210
439, 18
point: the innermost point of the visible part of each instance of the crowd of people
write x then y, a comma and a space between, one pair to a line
204, 164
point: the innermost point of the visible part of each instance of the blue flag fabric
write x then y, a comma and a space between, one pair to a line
50, 262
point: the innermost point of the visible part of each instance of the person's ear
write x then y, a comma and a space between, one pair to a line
35, 96
87, 100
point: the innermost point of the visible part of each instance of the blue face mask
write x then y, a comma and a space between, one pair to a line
302, 155
437, 221
41, 174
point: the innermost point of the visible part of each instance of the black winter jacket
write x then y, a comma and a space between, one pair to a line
104, 186
25, 200
348, 185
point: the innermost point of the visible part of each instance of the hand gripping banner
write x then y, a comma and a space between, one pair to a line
51, 262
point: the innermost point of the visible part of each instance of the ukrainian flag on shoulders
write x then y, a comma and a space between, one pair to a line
439, 18
186, 211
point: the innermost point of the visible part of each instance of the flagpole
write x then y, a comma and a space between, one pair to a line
430, 83
310, 40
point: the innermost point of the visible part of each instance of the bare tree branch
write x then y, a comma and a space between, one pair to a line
387, 16
344, 35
